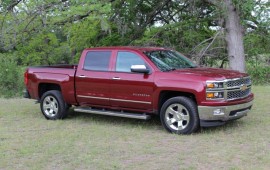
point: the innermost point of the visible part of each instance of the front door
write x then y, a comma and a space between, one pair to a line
129, 89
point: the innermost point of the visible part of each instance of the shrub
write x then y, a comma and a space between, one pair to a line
258, 68
260, 74
11, 77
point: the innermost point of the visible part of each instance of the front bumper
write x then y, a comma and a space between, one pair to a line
223, 113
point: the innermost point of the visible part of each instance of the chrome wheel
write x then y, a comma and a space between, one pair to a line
50, 106
177, 117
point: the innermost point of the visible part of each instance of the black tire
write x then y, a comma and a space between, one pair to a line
53, 105
179, 115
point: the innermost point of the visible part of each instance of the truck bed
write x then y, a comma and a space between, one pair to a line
60, 75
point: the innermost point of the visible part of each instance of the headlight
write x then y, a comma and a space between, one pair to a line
214, 90
213, 85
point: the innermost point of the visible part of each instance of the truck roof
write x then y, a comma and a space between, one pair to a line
142, 49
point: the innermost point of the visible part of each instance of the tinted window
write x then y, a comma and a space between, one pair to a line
97, 60
126, 59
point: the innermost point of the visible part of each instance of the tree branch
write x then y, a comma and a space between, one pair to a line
204, 41
149, 19
209, 45
14, 3
73, 18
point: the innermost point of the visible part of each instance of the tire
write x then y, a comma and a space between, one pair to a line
179, 115
53, 105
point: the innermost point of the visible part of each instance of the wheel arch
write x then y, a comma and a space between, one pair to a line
44, 87
167, 94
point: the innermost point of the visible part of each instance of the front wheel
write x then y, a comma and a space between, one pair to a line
53, 105
179, 115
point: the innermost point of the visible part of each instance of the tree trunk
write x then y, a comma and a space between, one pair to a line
234, 37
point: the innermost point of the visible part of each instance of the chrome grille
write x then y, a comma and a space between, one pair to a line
231, 95
239, 82
232, 89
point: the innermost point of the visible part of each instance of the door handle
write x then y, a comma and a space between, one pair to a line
82, 76
116, 78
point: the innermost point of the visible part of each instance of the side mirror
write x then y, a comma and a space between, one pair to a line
139, 69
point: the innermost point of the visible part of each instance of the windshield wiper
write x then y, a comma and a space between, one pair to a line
169, 69
191, 67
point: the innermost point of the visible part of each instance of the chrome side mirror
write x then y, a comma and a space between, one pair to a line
139, 69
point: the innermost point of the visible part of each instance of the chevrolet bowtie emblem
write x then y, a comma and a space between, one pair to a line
243, 87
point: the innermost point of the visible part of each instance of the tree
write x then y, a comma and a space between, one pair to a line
234, 37
234, 33
217, 21
206, 30
42, 32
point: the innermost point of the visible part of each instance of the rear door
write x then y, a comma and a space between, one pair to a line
129, 89
93, 79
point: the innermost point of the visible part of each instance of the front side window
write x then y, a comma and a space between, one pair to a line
125, 60
97, 60
167, 60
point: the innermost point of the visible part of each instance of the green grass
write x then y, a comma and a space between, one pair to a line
86, 141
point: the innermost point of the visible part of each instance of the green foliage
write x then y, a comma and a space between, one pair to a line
258, 68
179, 36
11, 77
257, 43
83, 35
260, 74
245, 6
44, 49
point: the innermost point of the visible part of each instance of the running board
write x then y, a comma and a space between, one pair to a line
112, 113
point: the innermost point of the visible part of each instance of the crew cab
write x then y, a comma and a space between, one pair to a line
139, 82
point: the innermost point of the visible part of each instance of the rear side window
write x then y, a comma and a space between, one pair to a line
125, 60
97, 60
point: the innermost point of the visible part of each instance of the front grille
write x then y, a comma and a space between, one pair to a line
233, 89
239, 82
231, 95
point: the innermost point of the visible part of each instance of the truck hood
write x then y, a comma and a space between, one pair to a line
213, 73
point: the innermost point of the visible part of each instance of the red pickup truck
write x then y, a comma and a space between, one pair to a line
137, 82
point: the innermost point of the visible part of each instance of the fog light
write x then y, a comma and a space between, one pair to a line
218, 112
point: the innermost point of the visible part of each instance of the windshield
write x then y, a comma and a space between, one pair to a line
167, 60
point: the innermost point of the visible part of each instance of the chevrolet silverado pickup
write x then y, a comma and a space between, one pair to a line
140, 82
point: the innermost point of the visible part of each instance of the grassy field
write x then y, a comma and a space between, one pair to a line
86, 141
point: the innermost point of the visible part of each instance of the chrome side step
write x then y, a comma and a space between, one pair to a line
112, 113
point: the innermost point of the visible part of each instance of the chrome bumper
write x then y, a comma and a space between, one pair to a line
224, 113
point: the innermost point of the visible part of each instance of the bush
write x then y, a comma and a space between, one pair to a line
258, 68
11, 77
260, 74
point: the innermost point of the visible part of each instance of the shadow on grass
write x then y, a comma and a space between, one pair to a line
152, 124
228, 127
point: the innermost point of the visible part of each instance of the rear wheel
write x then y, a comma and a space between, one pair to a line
53, 105
179, 115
